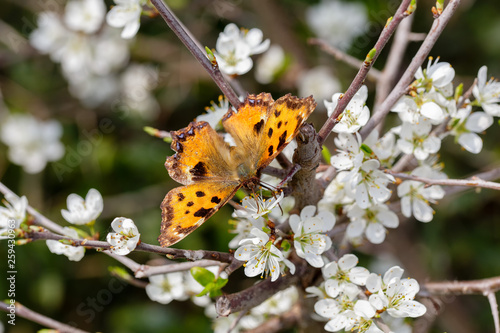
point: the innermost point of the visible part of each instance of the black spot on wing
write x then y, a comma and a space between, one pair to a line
180, 196
199, 170
279, 124
203, 212
200, 194
282, 139
215, 199
270, 150
270, 133
186, 212
277, 113
258, 126
190, 203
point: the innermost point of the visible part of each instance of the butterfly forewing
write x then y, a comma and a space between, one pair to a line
201, 154
285, 118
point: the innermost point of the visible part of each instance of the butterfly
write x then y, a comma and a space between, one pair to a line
212, 171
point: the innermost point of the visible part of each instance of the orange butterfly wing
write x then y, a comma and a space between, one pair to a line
202, 162
185, 208
262, 127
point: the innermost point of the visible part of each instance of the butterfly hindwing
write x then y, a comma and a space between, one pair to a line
201, 153
185, 208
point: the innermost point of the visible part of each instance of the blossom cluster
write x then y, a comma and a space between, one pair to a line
431, 111
93, 55
343, 303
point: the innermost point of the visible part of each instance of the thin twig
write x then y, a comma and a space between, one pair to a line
373, 74
401, 87
394, 60
171, 253
188, 41
480, 287
359, 79
494, 310
36, 317
471, 182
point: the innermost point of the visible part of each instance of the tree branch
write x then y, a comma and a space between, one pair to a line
474, 181
394, 60
196, 51
373, 74
36, 317
171, 253
359, 79
494, 310
401, 87
481, 287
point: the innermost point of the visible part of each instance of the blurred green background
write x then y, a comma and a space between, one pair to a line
126, 165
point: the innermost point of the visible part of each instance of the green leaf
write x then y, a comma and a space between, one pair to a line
203, 276
327, 156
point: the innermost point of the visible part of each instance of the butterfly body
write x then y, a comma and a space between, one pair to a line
212, 171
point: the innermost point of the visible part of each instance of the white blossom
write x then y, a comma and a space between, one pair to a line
15, 209
412, 109
416, 197
244, 224
270, 64
343, 276
335, 193
127, 15
234, 48
374, 282
318, 82
439, 74
398, 299
257, 206
32, 143
465, 126
125, 237
487, 93
310, 240
85, 15
384, 148
416, 139
74, 253
371, 221
215, 112
82, 211
50, 36
137, 83
349, 151
367, 184
262, 257
164, 288
338, 22
355, 115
